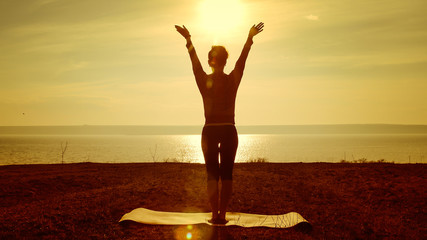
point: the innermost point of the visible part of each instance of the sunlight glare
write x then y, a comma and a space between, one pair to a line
191, 150
221, 17
189, 235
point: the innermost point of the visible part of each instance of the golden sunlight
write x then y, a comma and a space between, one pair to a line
221, 17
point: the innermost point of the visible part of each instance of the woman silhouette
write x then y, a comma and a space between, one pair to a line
219, 135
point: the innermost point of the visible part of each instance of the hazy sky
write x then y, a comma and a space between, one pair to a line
122, 62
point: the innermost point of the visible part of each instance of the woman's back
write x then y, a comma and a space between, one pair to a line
219, 97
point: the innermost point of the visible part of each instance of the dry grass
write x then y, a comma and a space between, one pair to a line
85, 201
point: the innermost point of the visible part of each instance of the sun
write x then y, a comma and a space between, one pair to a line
221, 17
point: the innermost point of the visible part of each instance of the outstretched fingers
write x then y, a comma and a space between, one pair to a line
183, 31
255, 29
260, 26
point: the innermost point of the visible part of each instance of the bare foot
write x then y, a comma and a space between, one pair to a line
215, 215
219, 221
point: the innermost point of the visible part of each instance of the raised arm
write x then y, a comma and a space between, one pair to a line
240, 64
195, 62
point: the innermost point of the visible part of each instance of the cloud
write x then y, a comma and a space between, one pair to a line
312, 17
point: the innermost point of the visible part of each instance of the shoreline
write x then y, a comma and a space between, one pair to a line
340, 200
355, 162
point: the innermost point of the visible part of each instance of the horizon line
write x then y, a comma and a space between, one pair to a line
237, 125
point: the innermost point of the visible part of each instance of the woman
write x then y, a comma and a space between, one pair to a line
219, 135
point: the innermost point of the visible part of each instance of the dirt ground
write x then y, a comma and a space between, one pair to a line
86, 200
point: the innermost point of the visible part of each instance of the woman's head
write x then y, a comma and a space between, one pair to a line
218, 56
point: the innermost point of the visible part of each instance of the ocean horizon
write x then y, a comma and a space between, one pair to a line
196, 129
288, 143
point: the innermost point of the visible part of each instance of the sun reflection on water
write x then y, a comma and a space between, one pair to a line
247, 145
249, 148
187, 148
191, 149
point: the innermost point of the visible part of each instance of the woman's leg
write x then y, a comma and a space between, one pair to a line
211, 154
213, 194
228, 148
226, 193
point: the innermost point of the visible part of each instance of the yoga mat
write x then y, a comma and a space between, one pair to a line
147, 216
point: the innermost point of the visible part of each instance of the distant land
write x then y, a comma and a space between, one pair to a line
188, 130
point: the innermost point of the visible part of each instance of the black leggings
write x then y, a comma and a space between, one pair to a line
219, 141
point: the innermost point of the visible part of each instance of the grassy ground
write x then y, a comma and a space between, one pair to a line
86, 201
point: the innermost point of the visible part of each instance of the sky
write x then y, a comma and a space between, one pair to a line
101, 62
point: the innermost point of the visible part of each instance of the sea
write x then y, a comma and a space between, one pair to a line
281, 144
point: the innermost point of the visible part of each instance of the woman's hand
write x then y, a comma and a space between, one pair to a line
183, 31
256, 29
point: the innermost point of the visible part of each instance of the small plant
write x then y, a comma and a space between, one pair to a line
364, 160
176, 160
183, 155
257, 160
154, 153
63, 149
173, 160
